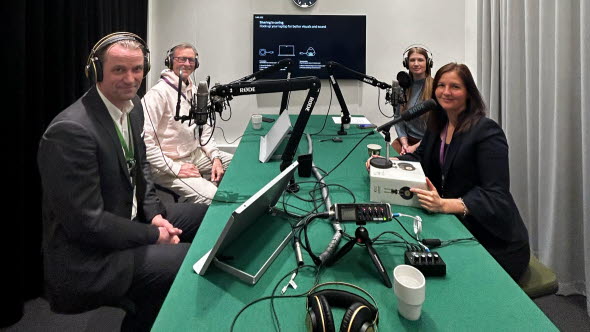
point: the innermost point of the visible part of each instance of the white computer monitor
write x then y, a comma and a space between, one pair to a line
243, 219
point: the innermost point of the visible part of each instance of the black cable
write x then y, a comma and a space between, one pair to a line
327, 113
379, 105
349, 134
232, 142
348, 154
376, 238
307, 220
170, 167
230, 110
272, 296
412, 236
259, 300
454, 241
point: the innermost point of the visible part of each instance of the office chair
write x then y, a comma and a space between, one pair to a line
538, 280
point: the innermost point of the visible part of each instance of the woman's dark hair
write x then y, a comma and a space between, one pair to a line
475, 110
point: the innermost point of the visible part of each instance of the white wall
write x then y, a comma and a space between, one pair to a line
222, 32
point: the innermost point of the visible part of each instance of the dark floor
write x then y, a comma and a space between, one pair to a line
568, 313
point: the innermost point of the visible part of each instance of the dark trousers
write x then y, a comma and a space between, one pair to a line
155, 267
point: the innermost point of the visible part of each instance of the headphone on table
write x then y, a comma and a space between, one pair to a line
94, 68
360, 316
168, 60
406, 60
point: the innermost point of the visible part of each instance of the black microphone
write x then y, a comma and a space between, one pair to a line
396, 96
363, 236
201, 115
404, 79
411, 113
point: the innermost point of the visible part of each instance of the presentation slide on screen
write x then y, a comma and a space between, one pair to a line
310, 41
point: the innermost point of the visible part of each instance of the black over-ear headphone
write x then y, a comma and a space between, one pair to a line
406, 60
360, 316
94, 68
168, 60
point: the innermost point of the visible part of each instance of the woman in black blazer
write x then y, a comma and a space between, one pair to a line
464, 155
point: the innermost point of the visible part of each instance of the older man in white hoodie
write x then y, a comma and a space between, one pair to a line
178, 161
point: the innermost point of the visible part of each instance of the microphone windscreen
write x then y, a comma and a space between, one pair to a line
418, 110
404, 79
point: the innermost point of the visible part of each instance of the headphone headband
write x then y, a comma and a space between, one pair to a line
168, 60
341, 284
93, 67
311, 291
429, 57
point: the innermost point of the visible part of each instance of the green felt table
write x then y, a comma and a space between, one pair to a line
474, 295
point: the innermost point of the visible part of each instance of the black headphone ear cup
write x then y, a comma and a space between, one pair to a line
97, 64
405, 63
357, 316
320, 314
94, 70
168, 60
146, 65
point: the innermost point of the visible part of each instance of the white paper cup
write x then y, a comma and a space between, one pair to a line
256, 121
409, 285
374, 149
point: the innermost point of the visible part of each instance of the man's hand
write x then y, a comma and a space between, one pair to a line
217, 170
189, 171
167, 238
163, 223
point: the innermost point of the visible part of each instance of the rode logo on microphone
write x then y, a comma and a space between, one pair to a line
247, 90
309, 103
367, 80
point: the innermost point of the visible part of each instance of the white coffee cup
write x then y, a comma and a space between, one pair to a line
409, 285
374, 149
256, 121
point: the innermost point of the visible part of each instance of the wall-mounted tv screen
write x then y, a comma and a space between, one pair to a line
310, 41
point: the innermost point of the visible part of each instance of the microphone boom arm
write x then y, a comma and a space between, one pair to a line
310, 83
330, 66
286, 64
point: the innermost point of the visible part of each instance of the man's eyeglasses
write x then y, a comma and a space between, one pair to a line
182, 59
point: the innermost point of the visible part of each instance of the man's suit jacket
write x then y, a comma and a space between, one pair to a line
476, 169
87, 200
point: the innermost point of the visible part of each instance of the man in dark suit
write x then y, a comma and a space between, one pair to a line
107, 237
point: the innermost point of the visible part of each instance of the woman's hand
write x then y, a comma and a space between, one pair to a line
430, 199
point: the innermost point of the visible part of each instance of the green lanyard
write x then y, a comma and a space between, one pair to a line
127, 149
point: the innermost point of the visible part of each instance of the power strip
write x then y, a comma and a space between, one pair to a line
429, 263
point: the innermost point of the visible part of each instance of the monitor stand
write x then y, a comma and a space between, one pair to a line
239, 267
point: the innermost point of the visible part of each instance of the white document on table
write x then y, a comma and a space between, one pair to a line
353, 120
